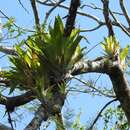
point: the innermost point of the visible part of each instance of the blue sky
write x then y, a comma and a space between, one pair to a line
88, 104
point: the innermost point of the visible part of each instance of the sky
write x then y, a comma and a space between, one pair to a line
88, 105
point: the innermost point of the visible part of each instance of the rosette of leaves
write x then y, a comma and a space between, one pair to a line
112, 48
43, 58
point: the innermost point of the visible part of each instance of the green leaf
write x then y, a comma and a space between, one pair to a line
124, 53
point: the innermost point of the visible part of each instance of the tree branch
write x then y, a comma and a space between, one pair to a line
23, 6
71, 16
121, 88
94, 88
116, 74
100, 22
40, 115
67, 8
98, 65
8, 50
124, 29
125, 12
106, 16
54, 7
93, 6
37, 23
99, 114
12, 102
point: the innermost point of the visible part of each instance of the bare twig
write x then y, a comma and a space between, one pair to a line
54, 7
93, 6
37, 22
124, 29
93, 87
92, 48
92, 29
67, 8
125, 12
100, 22
10, 120
23, 6
99, 114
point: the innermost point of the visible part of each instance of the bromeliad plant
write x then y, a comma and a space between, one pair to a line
44, 59
112, 49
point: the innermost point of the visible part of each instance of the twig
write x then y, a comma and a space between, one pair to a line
91, 86
120, 25
54, 7
100, 22
10, 120
93, 29
93, 6
125, 12
24, 29
99, 114
2, 56
97, 79
23, 6
78, 12
92, 48
35, 12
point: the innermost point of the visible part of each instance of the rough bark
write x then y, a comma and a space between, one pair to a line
121, 89
40, 115
117, 76
71, 16
12, 102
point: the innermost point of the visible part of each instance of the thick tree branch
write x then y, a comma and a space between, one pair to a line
98, 65
40, 115
12, 102
114, 70
121, 88
8, 50
71, 16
